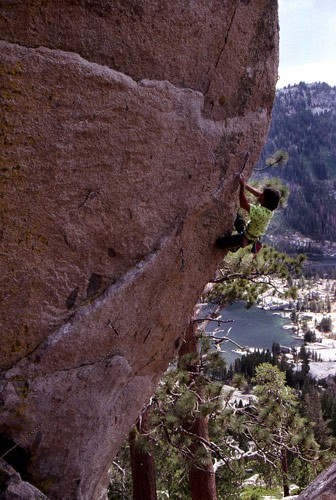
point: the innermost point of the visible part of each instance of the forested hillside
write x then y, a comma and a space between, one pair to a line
304, 125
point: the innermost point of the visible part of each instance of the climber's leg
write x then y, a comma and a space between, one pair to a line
228, 242
239, 224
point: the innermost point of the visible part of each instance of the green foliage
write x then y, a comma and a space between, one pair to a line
120, 476
172, 483
302, 473
245, 276
278, 158
259, 493
278, 425
141, 442
185, 405
328, 405
238, 381
325, 324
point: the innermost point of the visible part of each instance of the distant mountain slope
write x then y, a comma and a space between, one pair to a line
304, 125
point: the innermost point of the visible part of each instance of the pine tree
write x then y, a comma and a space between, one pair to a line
277, 428
312, 409
202, 480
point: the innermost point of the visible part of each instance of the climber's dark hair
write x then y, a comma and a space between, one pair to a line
271, 198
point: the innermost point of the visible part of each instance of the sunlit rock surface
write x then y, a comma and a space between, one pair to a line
124, 125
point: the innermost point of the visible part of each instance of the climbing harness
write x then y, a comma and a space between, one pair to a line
247, 239
256, 247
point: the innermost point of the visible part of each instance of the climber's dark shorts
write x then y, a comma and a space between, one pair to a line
232, 241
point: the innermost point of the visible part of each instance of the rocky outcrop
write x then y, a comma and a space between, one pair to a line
124, 124
12, 487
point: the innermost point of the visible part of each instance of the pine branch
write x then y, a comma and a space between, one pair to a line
227, 339
210, 446
249, 435
280, 157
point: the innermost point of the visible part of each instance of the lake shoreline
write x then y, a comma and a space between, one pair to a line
251, 329
325, 346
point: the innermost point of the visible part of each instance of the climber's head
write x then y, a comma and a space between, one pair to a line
270, 198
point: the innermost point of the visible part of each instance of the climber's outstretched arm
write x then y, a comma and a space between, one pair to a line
253, 191
244, 203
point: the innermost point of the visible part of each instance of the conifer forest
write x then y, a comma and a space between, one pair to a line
304, 125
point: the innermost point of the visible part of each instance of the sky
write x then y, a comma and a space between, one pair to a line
307, 41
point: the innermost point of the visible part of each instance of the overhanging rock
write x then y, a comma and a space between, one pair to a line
115, 185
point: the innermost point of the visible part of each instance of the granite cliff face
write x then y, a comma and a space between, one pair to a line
124, 124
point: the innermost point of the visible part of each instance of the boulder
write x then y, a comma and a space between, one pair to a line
12, 487
124, 125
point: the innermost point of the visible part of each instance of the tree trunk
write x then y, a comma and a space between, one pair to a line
284, 470
142, 464
202, 480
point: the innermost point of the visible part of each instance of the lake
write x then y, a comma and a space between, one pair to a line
254, 327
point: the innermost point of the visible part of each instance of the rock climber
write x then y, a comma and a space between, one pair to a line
260, 213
